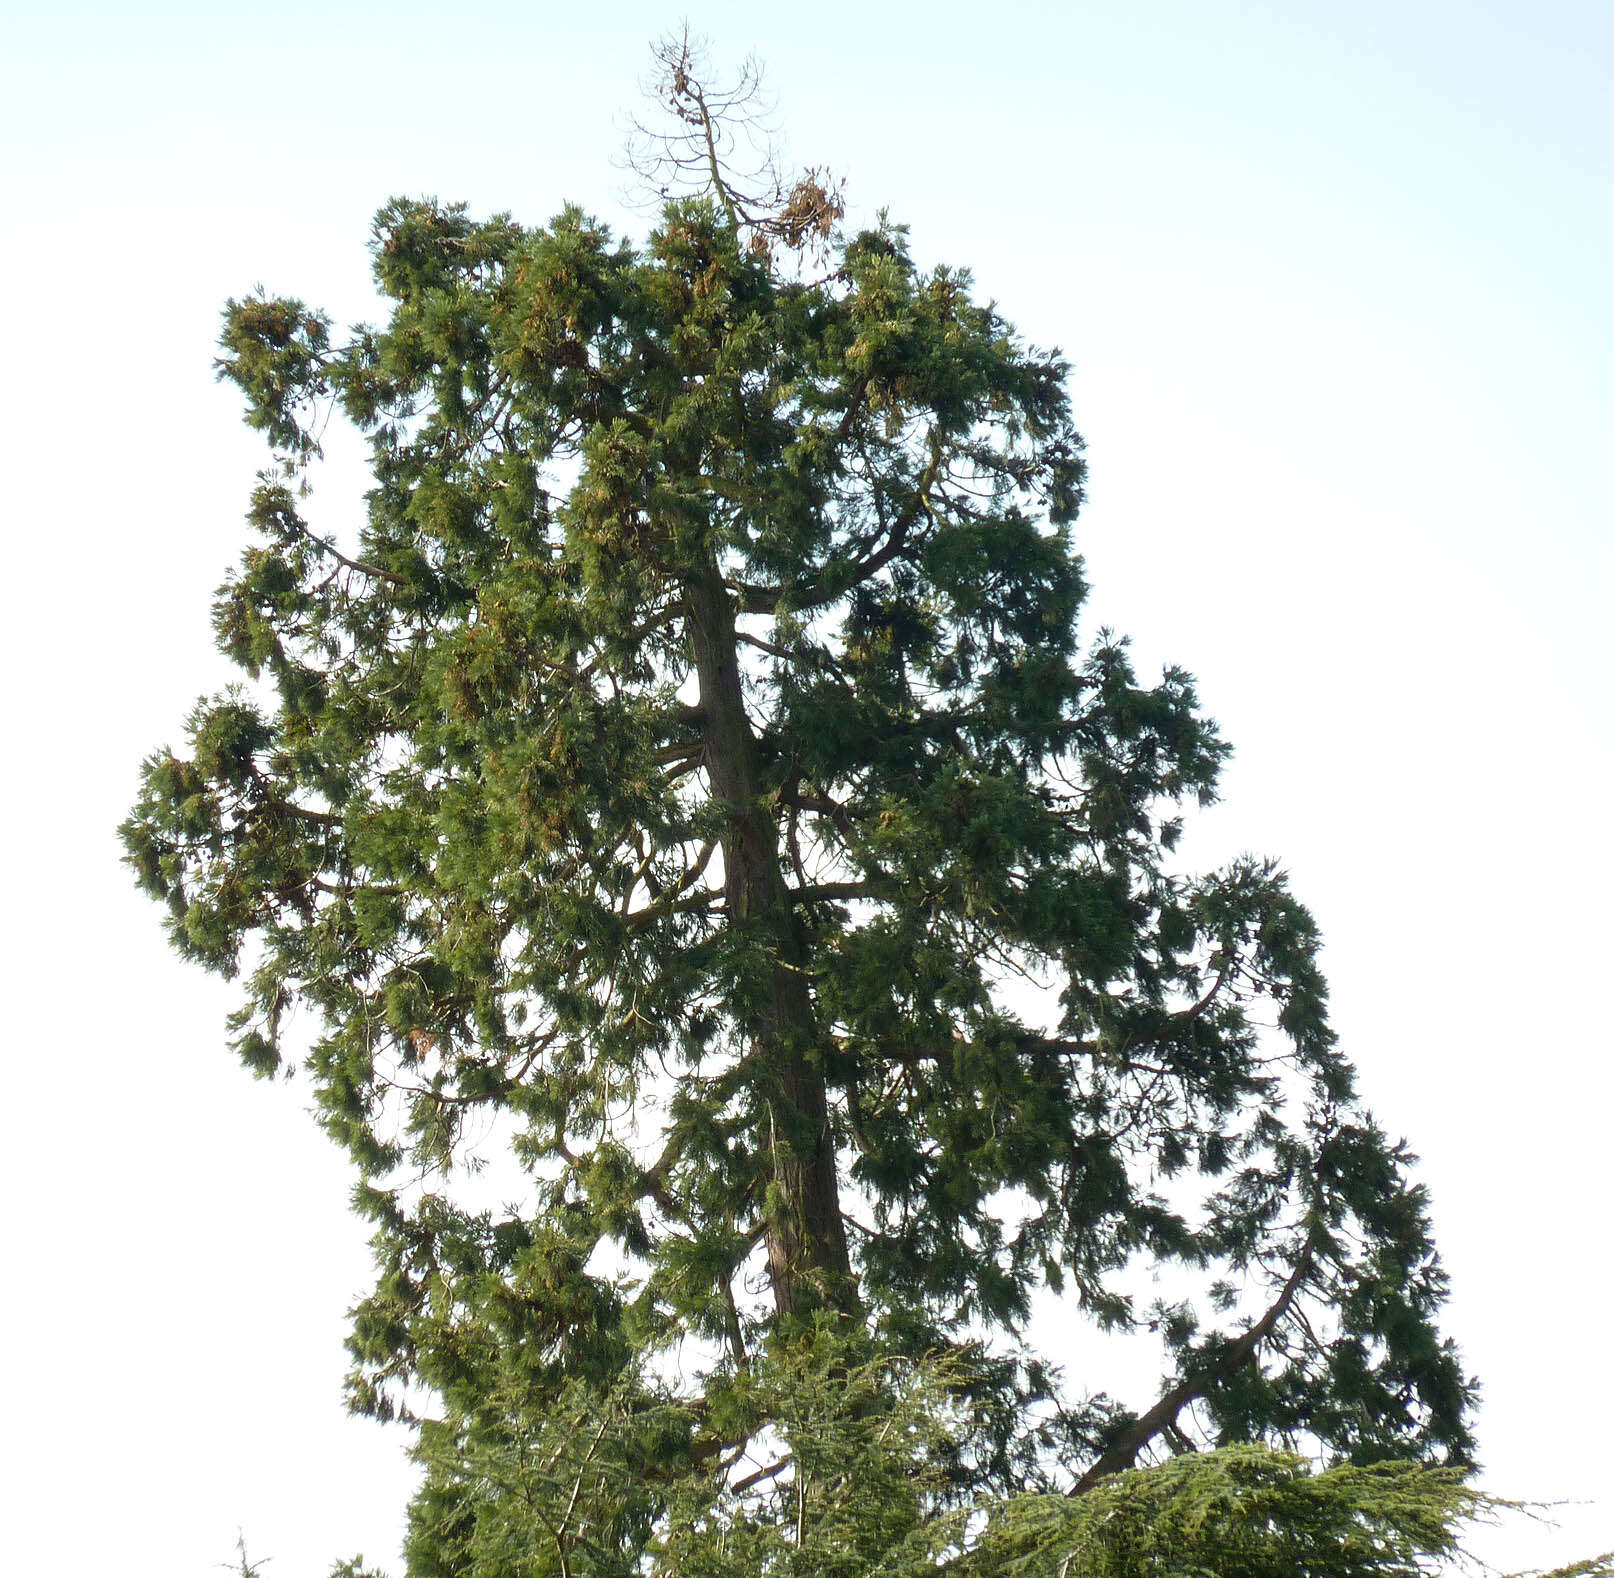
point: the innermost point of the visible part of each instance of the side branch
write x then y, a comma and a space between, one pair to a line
359, 566
1162, 1418
834, 582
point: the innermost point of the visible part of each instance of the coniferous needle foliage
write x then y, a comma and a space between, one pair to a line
689, 782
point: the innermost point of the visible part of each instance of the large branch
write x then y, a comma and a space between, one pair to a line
823, 892
360, 566
834, 581
1161, 1419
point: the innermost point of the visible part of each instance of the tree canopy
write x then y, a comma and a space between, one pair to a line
689, 787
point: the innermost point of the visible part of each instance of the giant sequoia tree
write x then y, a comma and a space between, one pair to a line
688, 784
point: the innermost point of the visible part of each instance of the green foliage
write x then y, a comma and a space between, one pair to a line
673, 788
856, 1478
846, 1462
1241, 1512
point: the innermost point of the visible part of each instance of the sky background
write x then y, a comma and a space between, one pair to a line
1334, 279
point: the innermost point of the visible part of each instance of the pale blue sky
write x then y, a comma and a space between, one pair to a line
1334, 279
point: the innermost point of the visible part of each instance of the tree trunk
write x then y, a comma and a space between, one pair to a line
802, 1229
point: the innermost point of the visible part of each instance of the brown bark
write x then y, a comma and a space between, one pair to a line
803, 1234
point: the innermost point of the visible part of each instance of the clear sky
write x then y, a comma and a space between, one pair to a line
1335, 282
